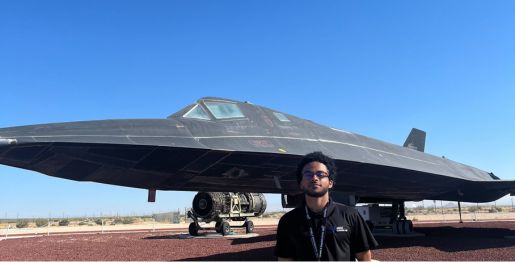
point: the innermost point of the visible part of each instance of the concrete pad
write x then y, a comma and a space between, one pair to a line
217, 236
16, 237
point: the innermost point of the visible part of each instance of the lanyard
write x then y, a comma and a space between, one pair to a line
318, 252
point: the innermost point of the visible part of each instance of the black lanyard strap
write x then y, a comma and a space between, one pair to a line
318, 252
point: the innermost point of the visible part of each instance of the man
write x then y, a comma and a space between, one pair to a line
322, 229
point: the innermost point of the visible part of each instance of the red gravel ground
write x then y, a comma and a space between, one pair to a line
451, 241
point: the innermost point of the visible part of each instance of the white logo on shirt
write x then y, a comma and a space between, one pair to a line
341, 229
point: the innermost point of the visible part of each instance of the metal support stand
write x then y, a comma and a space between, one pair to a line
395, 212
402, 213
459, 210
398, 211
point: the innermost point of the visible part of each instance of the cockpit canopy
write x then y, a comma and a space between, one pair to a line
197, 112
218, 109
223, 110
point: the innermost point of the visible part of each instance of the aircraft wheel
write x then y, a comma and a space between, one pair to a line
249, 226
217, 227
193, 229
225, 228
397, 227
402, 227
408, 226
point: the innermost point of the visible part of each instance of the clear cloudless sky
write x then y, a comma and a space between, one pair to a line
377, 68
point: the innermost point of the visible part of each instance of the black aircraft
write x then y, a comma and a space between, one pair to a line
222, 145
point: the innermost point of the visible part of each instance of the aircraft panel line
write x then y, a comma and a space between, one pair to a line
272, 137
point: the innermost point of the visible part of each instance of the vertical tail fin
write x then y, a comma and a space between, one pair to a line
416, 140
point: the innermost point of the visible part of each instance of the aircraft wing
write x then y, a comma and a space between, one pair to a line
238, 156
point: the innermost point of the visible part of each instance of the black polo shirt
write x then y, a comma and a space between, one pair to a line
346, 234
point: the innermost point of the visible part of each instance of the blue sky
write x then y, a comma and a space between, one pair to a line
377, 68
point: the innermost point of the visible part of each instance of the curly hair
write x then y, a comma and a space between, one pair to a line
317, 156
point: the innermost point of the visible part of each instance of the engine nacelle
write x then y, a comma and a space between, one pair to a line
211, 206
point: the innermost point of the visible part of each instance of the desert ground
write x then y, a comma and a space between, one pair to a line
149, 225
468, 241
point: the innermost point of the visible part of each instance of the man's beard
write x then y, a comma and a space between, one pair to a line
314, 193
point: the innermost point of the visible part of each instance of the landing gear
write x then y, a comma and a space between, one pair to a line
402, 227
400, 224
381, 218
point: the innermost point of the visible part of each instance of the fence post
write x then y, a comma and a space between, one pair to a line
7, 230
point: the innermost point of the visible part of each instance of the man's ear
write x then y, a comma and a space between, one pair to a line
331, 183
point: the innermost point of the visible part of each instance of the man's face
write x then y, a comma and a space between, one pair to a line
315, 179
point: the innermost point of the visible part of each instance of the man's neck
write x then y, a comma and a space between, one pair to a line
317, 204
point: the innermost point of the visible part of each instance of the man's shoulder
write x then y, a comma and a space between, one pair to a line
293, 214
344, 208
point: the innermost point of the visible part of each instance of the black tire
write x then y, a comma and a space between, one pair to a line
402, 227
249, 227
193, 229
408, 227
225, 228
218, 228
396, 227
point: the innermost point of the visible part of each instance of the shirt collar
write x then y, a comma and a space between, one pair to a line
330, 207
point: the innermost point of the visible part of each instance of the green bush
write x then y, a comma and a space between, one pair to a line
494, 210
117, 221
64, 222
41, 222
98, 221
22, 224
474, 209
128, 220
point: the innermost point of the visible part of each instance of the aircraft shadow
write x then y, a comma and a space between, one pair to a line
452, 239
234, 241
445, 239
251, 240
174, 236
258, 254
